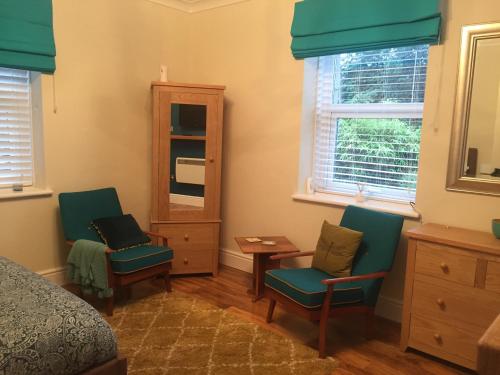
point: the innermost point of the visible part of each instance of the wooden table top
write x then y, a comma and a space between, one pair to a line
283, 245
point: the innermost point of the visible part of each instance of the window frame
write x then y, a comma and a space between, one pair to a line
38, 187
328, 70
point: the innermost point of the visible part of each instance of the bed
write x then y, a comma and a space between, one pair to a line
45, 329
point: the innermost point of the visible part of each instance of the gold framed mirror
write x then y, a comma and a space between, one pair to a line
474, 161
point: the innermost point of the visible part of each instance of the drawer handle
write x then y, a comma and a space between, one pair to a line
438, 338
186, 237
186, 261
444, 267
440, 303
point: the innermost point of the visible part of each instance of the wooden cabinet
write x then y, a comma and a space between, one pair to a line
452, 291
187, 159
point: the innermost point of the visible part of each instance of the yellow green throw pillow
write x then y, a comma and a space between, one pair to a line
336, 249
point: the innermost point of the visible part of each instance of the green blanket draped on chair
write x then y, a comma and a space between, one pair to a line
87, 268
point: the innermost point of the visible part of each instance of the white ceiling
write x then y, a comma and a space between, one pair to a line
192, 6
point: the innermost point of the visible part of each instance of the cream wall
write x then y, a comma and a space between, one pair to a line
108, 53
246, 47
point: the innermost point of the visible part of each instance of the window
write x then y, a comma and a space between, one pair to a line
368, 120
20, 157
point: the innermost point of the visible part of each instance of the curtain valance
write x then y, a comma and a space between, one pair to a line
328, 27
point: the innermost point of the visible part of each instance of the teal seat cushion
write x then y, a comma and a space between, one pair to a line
141, 257
303, 285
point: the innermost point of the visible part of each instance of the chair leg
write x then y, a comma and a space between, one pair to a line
323, 322
270, 310
322, 336
109, 305
168, 284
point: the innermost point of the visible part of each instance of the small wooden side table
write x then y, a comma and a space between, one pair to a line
261, 254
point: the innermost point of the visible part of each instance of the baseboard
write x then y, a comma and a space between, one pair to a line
387, 307
235, 259
56, 275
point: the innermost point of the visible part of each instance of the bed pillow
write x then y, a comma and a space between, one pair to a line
120, 232
336, 249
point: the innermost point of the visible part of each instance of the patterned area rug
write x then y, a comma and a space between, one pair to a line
180, 334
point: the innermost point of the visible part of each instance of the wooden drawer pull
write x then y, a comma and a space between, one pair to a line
441, 303
438, 337
186, 261
186, 237
444, 267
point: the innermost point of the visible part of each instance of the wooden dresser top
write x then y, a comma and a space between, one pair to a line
458, 237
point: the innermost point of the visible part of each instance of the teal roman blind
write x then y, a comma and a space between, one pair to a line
26, 35
329, 27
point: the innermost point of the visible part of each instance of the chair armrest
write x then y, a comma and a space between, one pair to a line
163, 238
376, 275
297, 254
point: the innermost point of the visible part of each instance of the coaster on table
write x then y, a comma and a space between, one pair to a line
269, 243
253, 239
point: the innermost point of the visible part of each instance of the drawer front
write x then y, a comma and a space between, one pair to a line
195, 245
192, 261
493, 277
446, 263
190, 236
456, 304
455, 343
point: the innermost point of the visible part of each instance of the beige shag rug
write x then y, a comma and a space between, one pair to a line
183, 335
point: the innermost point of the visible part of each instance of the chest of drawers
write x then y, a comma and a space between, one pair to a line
452, 291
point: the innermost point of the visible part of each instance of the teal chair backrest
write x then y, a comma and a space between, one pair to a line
80, 208
381, 234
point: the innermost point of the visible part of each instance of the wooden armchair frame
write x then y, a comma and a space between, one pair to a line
326, 310
117, 280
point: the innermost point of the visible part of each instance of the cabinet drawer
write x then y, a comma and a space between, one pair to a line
449, 302
192, 261
191, 236
493, 277
455, 343
446, 263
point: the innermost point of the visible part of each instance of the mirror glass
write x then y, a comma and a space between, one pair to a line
482, 154
188, 128
474, 162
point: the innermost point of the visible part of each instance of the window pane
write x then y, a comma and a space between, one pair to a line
395, 75
16, 157
379, 153
368, 122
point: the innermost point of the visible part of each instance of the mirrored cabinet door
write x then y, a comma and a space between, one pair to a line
187, 147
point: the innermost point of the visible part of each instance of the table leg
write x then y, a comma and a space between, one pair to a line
261, 263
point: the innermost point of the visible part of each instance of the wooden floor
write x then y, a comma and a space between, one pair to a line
357, 355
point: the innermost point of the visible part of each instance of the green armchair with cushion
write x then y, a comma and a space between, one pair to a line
80, 209
366, 240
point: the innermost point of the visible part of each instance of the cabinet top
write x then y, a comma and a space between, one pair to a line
458, 237
188, 85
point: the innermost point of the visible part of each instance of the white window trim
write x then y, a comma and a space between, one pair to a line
39, 187
303, 192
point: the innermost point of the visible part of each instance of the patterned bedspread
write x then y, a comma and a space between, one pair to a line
44, 329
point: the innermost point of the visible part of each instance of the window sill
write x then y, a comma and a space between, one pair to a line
345, 200
30, 192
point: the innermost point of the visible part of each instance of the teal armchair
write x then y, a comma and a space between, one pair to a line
317, 296
123, 267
